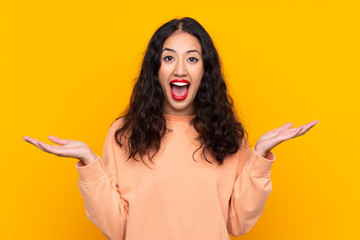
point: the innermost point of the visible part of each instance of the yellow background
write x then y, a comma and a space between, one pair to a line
67, 69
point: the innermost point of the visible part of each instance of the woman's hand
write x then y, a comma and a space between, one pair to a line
276, 136
68, 148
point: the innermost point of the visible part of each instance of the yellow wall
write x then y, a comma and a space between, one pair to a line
67, 68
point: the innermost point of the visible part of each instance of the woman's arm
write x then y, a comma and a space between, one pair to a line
104, 205
98, 185
253, 185
251, 190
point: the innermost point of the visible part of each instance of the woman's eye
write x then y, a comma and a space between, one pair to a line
193, 59
168, 58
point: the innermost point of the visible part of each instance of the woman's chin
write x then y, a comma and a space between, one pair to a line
179, 107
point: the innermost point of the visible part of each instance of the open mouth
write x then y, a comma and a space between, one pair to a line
179, 89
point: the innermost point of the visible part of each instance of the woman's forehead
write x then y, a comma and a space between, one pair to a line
182, 42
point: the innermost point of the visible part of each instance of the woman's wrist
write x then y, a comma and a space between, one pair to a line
87, 160
260, 151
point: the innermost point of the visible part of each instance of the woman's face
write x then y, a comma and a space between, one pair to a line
180, 72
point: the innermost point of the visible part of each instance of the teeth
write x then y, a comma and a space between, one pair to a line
180, 84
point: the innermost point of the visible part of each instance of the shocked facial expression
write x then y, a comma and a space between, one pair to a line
180, 72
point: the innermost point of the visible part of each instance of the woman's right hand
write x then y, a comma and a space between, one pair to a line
68, 148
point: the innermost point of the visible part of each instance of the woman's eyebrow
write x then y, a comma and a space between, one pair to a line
172, 50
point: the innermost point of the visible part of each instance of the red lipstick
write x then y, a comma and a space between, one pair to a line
179, 94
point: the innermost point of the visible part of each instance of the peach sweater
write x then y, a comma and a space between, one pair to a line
179, 198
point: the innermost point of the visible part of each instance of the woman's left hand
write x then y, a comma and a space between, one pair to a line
276, 136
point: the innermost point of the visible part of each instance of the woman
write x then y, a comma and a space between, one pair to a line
177, 164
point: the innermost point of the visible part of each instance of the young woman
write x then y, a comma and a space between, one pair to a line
177, 164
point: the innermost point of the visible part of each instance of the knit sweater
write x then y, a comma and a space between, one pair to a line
177, 197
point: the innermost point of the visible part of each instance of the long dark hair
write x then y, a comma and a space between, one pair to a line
144, 123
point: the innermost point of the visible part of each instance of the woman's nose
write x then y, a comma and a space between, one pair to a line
180, 68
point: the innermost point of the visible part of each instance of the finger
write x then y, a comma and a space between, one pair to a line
294, 132
289, 134
28, 139
308, 126
33, 141
58, 140
43, 147
286, 126
57, 150
311, 124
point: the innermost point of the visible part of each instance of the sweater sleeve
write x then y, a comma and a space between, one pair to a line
104, 205
251, 190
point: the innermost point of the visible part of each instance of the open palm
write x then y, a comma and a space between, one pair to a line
68, 148
276, 136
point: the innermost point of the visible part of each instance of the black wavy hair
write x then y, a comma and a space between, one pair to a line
144, 123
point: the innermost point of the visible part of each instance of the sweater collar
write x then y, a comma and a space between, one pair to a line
178, 118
